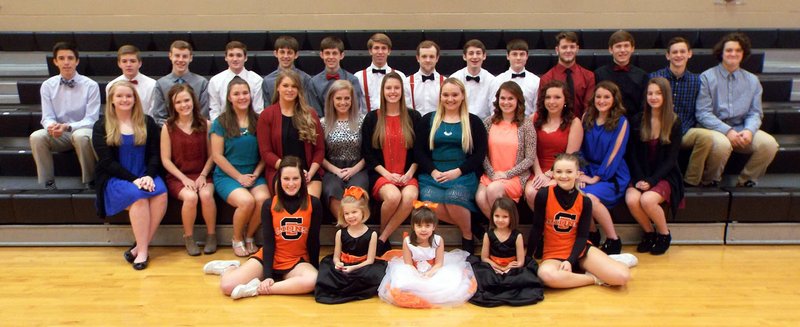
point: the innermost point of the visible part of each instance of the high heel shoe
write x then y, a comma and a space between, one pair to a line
129, 257
141, 265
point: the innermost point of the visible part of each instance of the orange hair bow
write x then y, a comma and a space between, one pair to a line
430, 205
354, 191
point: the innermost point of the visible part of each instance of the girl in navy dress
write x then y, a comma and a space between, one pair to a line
127, 145
606, 175
505, 275
653, 158
351, 273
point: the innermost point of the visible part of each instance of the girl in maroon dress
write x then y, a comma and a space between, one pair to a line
185, 156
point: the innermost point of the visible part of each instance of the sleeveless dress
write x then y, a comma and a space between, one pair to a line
334, 286
447, 154
189, 154
120, 194
394, 155
517, 287
548, 145
452, 285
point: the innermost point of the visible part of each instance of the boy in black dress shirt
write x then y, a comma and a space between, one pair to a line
632, 80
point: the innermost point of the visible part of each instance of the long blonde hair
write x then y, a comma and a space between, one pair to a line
330, 109
378, 137
113, 133
466, 131
667, 117
302, 119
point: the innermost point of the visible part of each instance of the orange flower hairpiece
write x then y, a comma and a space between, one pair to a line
430, 205
354, 191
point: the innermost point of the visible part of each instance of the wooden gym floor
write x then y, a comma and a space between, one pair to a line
689, 286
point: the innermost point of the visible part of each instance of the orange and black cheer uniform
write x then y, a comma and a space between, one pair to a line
561, 221
291, 235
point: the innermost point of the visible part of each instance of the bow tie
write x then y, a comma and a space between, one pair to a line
618, 68
520, 75
134, 82
427, 78
70, 83
180, 80
477, 79
332, 76
379, 71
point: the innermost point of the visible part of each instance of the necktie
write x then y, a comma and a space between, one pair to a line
70, 83
477, 79
332, 76
520, 75
134, 82
618, 68
570, 83
379, 71
180, 80
427, 78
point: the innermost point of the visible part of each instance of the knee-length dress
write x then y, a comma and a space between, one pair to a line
519, 286
242, 153
343, 150
189, 154
452, 285
334, 286
512, 149
393, 154
119, 193
597, 148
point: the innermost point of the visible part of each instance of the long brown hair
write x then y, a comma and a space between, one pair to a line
378, 137
302, 120
113, 133
227, 119
466, 131
330, 110
280, 194
542, 114
519, 113
617, 109
667, 117
506, 204
199, 123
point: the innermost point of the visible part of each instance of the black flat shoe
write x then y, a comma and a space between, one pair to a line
141, 265
129, 257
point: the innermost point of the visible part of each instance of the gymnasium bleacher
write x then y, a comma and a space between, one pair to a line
769, 213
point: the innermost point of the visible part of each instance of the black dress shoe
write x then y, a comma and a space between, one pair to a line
129, 257
141, 265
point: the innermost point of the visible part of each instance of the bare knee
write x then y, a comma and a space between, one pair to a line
650, 199
619, 277
227, 285
189, 197
548, 276
391, 198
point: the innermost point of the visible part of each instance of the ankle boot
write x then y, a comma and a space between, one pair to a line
648, 239
594, 237
612, 246
661, 244
211, 244
191, 245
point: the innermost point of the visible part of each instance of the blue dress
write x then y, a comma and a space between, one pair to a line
447, 154
598, 144
119, 193
242, 153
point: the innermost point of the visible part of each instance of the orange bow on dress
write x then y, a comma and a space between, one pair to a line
354, 191
430, 205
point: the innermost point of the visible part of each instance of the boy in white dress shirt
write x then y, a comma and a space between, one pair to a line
235, 56
478, 81
70, 107
129, 62
379, 46
422, 88
517, 55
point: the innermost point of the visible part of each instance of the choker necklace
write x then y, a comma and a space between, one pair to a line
447, 131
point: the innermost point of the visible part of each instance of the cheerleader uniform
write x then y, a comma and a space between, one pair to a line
561, 221
452, 285
335, 286
517, 287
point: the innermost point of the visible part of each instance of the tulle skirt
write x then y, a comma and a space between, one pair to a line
452, 285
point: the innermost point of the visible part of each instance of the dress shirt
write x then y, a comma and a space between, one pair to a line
144, 86
268, 85
684, 95
729, 100
479, 100
373, 85
198, 83
218, 91
426, 94
529, 85
632, 84
582, 82
78, 106
320, 84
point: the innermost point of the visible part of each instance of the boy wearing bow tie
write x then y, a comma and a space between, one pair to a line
478, 81
422, 89
129, 62
517, 55
70, 106
331, 50
632, 80
379, 46
235, 57
180, 54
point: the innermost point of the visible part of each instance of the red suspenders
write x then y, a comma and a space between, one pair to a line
411, 80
